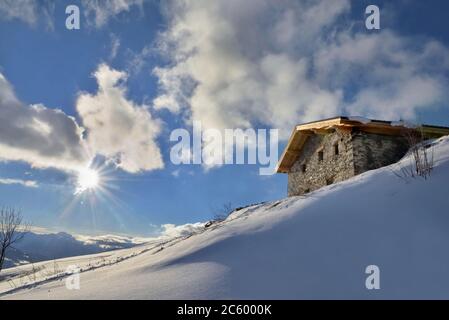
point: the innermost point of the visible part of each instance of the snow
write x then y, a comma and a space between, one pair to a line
404, 124
360, 119
317, 246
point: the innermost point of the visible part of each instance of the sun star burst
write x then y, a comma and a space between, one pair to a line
88, 180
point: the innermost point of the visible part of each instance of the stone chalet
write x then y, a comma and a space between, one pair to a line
323, 152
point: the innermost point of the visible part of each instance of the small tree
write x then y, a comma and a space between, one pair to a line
12, 230
222, 213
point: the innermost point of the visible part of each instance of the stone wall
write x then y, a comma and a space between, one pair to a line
357, 152
372, 151
318, 173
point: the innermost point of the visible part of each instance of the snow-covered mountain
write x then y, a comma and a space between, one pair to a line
39, 245
317, 246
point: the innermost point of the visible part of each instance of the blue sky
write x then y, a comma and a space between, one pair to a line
259, 65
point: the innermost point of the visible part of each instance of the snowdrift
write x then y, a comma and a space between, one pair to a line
316, 246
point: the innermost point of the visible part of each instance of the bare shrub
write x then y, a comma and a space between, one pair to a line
421, 155
220, 214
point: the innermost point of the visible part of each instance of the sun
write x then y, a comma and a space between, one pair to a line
88, 180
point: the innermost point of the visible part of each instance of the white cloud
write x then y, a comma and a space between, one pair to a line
137, 61
115, 46
28, 11
38, 135
114, 127
237, 64
98, 12
392, 77
25, 183
118, 128
261, 62
25, 10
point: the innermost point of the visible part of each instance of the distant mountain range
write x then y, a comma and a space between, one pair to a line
38, 246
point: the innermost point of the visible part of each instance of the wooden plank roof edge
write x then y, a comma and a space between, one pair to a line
346, 119
287, 147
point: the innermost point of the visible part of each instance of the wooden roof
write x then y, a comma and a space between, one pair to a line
301, 132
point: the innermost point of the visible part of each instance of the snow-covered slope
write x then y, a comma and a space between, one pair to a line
304, 247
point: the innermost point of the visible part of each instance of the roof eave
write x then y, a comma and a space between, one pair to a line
301, 132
